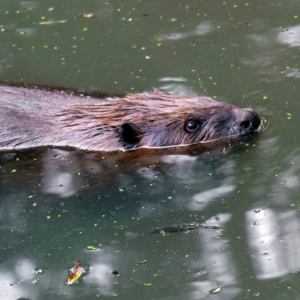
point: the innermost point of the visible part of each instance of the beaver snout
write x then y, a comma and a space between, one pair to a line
249, 121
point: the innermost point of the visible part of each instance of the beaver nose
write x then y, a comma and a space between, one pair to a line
249, 121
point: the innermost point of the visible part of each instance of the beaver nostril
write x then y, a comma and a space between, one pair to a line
249, 121
245, 126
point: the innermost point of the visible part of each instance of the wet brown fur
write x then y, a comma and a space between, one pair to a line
35, 117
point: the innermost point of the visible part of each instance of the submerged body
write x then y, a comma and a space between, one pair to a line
37, 117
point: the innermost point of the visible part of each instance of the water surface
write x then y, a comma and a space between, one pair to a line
58, 206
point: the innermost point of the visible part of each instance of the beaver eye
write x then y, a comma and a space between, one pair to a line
191, 125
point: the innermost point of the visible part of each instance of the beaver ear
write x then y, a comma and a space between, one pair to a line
130, 135
156, 91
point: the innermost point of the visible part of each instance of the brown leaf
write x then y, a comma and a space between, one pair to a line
52, 22
89, 15
76, 273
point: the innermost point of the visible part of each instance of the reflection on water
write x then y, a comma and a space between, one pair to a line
206, 197
274, 241
201, 29
81, 200
57, 179
66, 202
290, 36
222, 271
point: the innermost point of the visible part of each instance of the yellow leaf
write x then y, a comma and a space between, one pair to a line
76, 273
73, 277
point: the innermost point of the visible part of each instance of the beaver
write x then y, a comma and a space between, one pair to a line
34, 116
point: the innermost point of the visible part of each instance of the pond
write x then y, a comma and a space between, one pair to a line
58, 206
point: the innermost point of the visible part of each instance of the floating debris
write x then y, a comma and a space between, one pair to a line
52, 22
184, 227
76, 272
92, 247
39, 271
217, 290
88, 15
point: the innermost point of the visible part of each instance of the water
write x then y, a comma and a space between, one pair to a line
57, 205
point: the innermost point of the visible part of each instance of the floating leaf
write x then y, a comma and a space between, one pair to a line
88, 15
52, 22
92, 248
76, 273
218, 289
73, 277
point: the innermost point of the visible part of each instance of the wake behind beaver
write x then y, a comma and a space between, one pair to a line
39, 117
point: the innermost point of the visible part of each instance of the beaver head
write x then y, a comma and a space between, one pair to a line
158, 120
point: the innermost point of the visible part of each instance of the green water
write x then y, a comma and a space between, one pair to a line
56, 204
